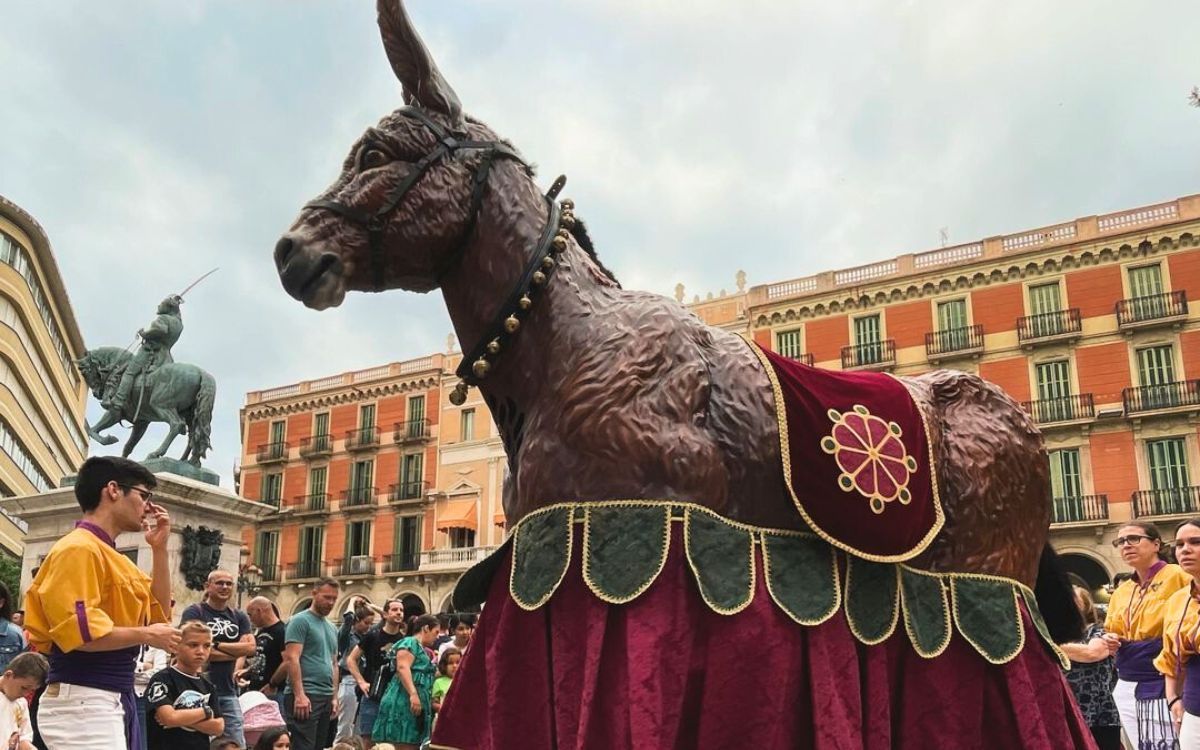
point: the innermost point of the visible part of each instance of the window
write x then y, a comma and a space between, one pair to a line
866, 340
321, 424
408, 543
266, 553
358, 539
317, 480
366, 416
1169, 475
1145, 281
460, 538
12, 445
1156, 373
310, 552
1045, 304
952, 328
787, 343
416, 410
1054, 402
466, 424
272, 489
278, 431
362, 477
12, 254
1066, 487
411, 475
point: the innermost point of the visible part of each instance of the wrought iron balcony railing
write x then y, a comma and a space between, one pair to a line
1062, 409
359, 496
954, 342
402, 491
1167, 501
1144, 398
1049, 326
356, 565
314, 502
1155, 308
402, 561
317, 445
1080, 508
270, 572
272, 452
414, 430
363, 438
304, 569
873, 355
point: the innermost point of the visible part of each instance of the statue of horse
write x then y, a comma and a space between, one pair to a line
602, 394
177, 393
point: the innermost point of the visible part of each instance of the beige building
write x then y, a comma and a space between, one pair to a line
42, 396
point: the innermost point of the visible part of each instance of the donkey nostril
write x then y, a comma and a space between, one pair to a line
283, 250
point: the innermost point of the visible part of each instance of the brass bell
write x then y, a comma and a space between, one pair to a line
481, 367
511, 324
539, 278
559, 244
547, 263
493, 346
458, 396
568, 204
525, 303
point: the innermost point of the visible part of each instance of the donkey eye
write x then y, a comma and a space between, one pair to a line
373, 158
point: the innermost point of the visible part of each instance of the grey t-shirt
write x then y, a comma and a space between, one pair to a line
319, 640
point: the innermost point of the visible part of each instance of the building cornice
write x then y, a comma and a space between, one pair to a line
334, 398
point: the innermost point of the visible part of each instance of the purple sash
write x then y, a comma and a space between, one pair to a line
103, 670
1135, 663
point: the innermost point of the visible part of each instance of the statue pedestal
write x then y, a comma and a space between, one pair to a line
166, 465
192, 503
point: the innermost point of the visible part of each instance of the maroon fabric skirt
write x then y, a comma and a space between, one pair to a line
666, 672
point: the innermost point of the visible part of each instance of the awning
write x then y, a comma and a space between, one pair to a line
458, 514
499, 519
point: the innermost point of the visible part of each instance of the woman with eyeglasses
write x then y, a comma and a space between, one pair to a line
1178, 661
1135, 622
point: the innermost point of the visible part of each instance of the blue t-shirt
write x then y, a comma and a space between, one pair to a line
227, 626
319, 640
12, 642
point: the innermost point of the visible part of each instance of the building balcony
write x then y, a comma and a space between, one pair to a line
1170, 501
359, 497
1080, 509
401, 562
362, 439
806, 358
1168, 308
953, 343
303, 569
271, 573
272, 500
316, 446
358, 565
412, 431
1051, 327
1152, 398
1075, 408
876, 355
272, 453
455, 558
407, 491
317, 502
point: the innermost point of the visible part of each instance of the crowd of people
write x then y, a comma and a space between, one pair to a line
99, 658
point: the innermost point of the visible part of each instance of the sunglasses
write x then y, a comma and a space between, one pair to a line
1132, 539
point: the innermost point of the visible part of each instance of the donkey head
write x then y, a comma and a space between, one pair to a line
405, 203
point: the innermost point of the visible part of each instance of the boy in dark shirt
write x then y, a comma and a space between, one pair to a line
183, 704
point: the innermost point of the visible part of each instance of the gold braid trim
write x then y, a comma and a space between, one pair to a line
786, 466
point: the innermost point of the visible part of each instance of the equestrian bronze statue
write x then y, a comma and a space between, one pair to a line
612, 402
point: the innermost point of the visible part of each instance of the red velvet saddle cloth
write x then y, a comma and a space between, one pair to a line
666, 672
856, 457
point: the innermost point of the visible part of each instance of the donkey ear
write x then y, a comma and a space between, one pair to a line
412, 63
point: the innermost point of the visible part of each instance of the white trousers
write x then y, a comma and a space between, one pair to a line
348, 708
1189, 734
1127, 708
74, 717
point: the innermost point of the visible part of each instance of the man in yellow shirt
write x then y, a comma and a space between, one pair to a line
90, 609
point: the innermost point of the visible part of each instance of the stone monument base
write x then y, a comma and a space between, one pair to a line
181, 469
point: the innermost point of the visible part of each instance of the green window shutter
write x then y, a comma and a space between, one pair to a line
416, 408
366, 416
278, 431
866, 330
1053, 380
1145, 281
1066, 486
316, 480
952, 315
321, 424
1156, 365
1044, 298
787, 343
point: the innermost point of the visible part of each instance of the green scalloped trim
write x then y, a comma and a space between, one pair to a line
926, 611
801, 574
624, 549
802, 577
542, 545
988, 616
722, 559
872, 599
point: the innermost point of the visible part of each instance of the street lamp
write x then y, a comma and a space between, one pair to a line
249, 580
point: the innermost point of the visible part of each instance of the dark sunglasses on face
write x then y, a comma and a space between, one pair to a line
1121, 541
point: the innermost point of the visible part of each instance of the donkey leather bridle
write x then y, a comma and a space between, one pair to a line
475, 363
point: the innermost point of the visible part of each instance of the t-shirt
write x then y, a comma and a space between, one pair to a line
269, 655
170, 687
449, 645
14, 717
373, 645
12, 642
227, 626
319, 640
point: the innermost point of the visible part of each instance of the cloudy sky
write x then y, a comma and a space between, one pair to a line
156, 140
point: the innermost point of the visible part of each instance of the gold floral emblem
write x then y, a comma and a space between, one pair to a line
871, 456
